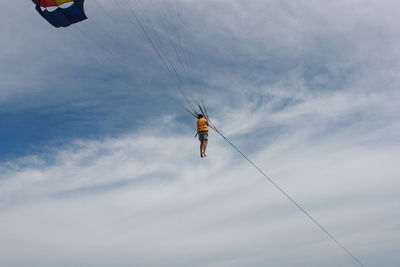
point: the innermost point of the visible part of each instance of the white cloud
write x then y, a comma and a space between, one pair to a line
117, 201
328, 136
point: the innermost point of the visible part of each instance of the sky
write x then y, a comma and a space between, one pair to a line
98, 161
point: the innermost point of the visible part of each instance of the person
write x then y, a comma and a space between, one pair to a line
202, 132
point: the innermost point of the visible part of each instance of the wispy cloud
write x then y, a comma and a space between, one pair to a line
309, 90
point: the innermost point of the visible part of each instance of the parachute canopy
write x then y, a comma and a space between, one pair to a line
61, 16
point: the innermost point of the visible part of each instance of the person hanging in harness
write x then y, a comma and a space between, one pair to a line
202, 132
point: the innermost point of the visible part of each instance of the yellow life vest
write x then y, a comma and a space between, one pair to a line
202, 125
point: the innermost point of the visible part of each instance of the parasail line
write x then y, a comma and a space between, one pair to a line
291, 199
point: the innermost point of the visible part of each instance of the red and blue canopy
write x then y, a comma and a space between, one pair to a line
61, 16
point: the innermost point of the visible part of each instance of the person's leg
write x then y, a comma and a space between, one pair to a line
201, 148
205, 146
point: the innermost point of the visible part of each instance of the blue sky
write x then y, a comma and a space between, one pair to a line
99, 167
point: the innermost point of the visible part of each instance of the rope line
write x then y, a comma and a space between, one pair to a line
156, 45
291, 199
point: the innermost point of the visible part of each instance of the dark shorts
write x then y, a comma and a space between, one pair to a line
203, 136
